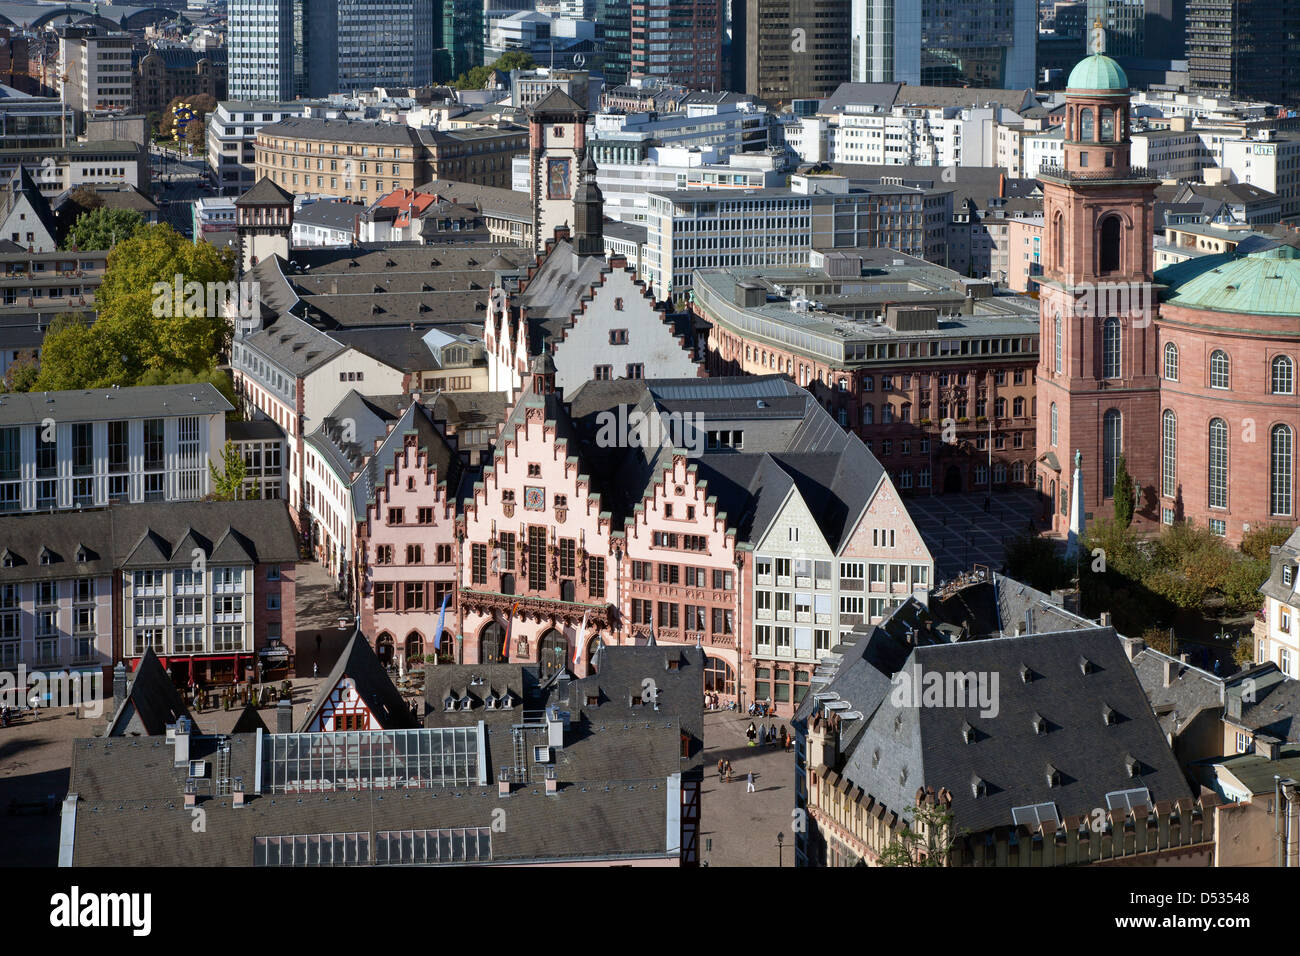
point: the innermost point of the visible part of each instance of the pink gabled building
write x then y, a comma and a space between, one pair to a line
537, 554
681, 569
408, 542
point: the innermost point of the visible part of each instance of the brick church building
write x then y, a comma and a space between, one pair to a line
1189, 373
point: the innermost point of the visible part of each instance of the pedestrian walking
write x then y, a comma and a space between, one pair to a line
749, 782
751, 733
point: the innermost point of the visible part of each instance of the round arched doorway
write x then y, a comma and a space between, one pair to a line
719, 677
593, 646
384, 648
414, 648
552, 652
491, 644
447, 649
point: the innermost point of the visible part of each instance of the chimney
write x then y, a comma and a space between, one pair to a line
1105, 619
552, 785
1029, 621
1133, 646
191, 799
1171, 671
284, 717
237, 796
119, 686
1002, 186
503, 783
181, 740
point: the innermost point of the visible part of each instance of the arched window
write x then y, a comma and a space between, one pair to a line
1218, 463
1281, 460
1110, 348
1018, 407
1055, 424
719, 677
1108, 251
1108, 125
1086, 123
1171, 361
999, 408
491, 644
1059, 227
1219, 369
1057, 328
447, 649
414, 648
593, 646
1112, 441
1283, 376
1169, 453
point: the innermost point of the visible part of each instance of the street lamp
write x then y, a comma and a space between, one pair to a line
780, 848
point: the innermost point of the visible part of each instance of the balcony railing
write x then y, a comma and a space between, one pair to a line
1093, 175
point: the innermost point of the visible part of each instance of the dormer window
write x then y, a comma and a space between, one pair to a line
490, 702
1108, 715
1040, 724
1085, 665
506, 702
1053, 776
967, 732
449, 703
1026, 675
466, 703
978, 787
1132, 765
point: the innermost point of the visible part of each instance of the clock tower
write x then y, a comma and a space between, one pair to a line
1097, 381
557, 144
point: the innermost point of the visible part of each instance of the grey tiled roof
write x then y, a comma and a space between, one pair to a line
1190, 691
359, 664
150, 533
152, 702
112, 404
1287, 555
294, 345
904, 748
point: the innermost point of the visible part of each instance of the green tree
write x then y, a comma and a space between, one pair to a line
144, 329
475, 78
1033, 559
21, 376
102, 228
926, 839
228, 483
1124, 493
1257, 542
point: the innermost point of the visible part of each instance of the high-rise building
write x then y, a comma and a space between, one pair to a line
614, 34
458, 39
1245, 49
679, 41
977, 43
282, 49
795, 49
96, 69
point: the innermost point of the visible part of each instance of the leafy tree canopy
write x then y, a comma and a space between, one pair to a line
510, 60
100, 227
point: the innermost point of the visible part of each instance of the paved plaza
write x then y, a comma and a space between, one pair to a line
743, 826
960, 533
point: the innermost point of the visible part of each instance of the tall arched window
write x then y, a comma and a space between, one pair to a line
1110, 348
1108, 252
1057, 327
1169, 454
491, 644
1112, 440
1055, 424
1108, 125
1060, 240
1220, 370
1171, 361
1283, 376
1086, 125
1281, 450
1018, 407
1018, 471
1218, 463
999, 408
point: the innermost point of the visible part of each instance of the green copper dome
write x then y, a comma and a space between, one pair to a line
1097, 72
1259, 283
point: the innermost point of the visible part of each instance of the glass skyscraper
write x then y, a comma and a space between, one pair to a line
977, 43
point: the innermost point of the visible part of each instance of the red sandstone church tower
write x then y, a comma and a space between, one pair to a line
1098, 384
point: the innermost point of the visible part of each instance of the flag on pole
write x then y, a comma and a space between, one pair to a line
510, 624
577, 645
442, 616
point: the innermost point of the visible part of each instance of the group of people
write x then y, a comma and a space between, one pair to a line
769, 735
762, 708
713, 702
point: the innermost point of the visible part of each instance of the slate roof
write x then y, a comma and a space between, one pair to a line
112, 404
152, 702
359, 664
294, 345
399, 347
1190, 692
22, 186
557, 101
265, 192
1269, 702
1287, 554
903, 748
148, 534
369, 425
341, 131
328, 215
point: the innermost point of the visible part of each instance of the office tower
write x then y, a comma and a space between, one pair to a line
459, 37
282, 49
614, 32
677, 41
1245, 49
796, 49
976, 43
